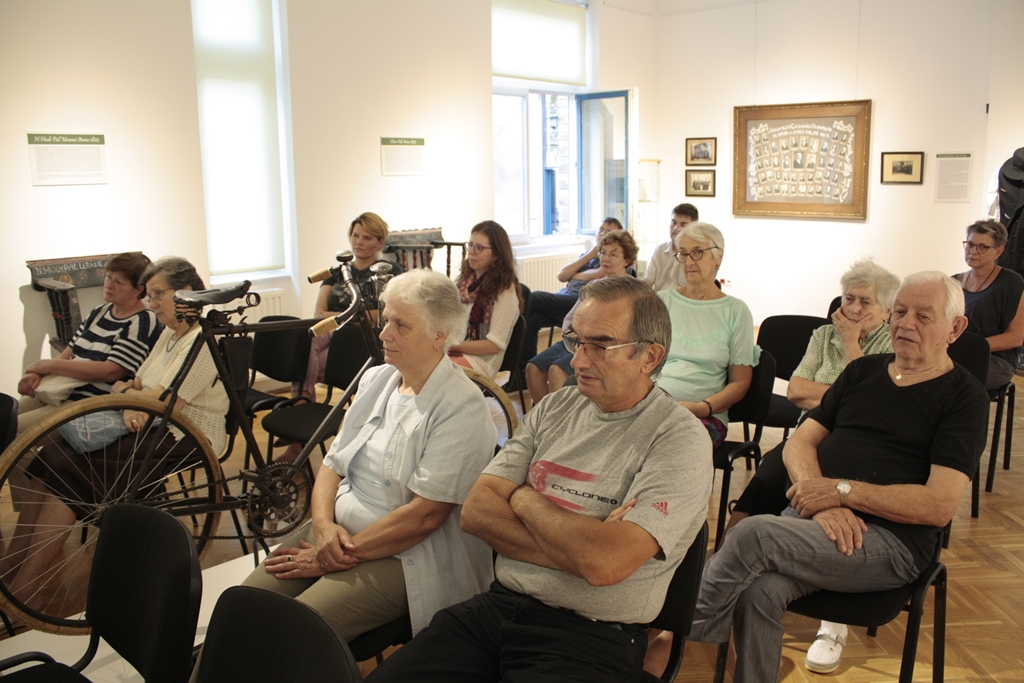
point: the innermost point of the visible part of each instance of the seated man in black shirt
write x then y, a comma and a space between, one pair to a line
878, 467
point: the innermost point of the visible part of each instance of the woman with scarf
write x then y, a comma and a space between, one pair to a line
489, 287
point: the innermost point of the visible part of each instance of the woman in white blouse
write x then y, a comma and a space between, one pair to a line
490, 289
385, 537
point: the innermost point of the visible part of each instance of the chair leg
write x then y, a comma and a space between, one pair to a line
976, 491
720, 662
939, 644
1011, 396
994, 454
723, 506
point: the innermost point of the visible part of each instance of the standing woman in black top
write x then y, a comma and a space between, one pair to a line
993, 294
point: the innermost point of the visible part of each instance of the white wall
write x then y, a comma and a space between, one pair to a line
362, 70
125, 69
925, 64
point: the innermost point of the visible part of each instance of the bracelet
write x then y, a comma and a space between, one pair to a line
711, 411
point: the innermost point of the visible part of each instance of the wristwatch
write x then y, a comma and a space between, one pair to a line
844, 490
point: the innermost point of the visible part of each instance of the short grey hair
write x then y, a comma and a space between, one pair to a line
650, 323
994, 229
705, 233
178, 272
435, 298
867, 273
954, 305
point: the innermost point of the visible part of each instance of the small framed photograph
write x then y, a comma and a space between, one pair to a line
701, 151
902, 168
700, 183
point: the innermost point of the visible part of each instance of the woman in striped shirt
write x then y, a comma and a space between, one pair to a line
109, 346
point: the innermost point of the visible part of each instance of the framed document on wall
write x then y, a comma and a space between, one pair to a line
804, 160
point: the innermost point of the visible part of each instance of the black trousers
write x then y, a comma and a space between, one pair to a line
502, 635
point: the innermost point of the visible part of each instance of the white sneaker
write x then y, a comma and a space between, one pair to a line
827, 649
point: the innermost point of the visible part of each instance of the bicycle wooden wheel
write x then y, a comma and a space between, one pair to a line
52, 502
502, 411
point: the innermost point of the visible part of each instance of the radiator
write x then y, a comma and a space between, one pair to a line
271, 303
540, 272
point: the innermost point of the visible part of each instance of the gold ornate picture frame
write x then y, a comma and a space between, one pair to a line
802, 160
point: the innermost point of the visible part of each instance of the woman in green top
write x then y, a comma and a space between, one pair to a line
712, 359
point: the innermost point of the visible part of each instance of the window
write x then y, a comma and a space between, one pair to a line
239, 70
561, 157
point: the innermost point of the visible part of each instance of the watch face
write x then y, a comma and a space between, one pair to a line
843, 486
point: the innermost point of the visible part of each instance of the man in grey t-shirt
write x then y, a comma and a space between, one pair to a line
591, 507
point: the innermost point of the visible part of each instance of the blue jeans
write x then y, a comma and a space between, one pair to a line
502, 635
766, 563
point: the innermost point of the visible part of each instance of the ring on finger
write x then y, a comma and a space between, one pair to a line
289, 558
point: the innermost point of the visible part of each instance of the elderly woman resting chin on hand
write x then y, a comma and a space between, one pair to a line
385, 538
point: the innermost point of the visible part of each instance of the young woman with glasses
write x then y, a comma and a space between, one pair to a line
488, 284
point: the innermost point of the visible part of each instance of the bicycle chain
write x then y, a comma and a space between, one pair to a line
233, 537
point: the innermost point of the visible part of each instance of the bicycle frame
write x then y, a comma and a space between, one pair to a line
211, 328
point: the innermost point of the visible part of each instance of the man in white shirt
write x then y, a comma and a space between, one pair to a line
663, 269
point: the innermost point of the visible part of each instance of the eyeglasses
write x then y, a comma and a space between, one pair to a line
973, 246
594, 350
696, 254
474, 248
157, 294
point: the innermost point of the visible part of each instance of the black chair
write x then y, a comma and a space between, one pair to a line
143, 599
373, 643
677, 612
8, 420
510, 361
281, 355
972, 352
8, 430
235, 649
834, 306
751, 408
1004, 397
875, 609
297, 422
785, 337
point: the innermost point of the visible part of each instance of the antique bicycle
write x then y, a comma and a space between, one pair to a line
274, 497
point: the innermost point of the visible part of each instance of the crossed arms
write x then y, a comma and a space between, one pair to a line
523, 525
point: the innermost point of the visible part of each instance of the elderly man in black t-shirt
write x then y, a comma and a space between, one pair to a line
878, 469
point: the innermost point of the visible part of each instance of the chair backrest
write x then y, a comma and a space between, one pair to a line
834, 306
526, 300
515, 346
346, 355
235, 649
972, 351
145, 590
413, 248
677, 612
786, 337
8, 420
282, 354
753, 407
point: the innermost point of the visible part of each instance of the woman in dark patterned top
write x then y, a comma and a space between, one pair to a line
995, 307
108, 347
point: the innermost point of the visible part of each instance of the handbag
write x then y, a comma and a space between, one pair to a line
55, 389
93, 431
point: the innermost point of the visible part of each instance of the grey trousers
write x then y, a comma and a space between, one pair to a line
767, 562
